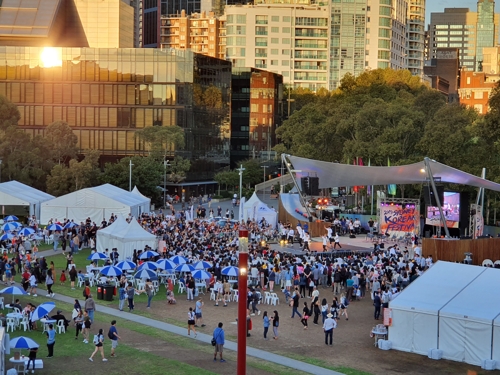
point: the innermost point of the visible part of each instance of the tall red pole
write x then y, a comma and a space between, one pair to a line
242, 301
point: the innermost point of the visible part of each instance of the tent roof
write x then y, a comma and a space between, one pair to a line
254, 199
335, 174
116, 226
137, 192
436, 287
120, 195
23, 194
133, 231
475, 300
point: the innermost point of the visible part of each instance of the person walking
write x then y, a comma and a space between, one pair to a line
122, 296
377, 302
130, 297
324, 309
266, 324
276, 324
295, 304
198, 312
337, 241
33, 285
90, 307
99, 346
51, 340
328, 326
87, 322
344, 302
191, 321
113, 336
305, 316
79, 323
49, 281
218, 336
149, 289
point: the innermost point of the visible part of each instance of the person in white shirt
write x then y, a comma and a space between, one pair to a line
290, 236
325, 242
218, 290
300, 233
337, 241
328, 326
307, 238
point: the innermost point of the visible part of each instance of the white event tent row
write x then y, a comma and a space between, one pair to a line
453, 308
255, 209
14, 193
126, 237
97, 202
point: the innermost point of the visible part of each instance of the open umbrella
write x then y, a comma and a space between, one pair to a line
145, 274
201, 274
6, 236
97, 256
22, 342
11, 218
230, 271
166, 264
55, 227
10, 226
177, 259
202, 265
111, 271
42, 310
126, 265
148, 266
14, 290
26, 231
148, 254
185, 268
70, 225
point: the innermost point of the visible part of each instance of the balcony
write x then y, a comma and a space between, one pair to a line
311, 35
261, 33
309, 67
261, 66
261, 44
299, 55
261, 55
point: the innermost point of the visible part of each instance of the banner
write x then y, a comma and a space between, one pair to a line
241, 214
394, 219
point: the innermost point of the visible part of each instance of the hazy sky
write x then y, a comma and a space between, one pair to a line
439, 5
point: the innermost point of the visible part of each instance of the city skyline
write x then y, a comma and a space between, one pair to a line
438, 6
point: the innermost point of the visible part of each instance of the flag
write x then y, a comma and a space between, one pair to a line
391, 189
368, 188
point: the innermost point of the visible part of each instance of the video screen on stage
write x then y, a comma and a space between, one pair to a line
451, 210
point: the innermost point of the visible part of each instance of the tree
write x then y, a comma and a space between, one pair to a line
162, 139
61, 141
227, 178
9, 114
178, 169
253, 173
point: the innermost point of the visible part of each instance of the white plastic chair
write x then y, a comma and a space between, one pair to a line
275, 299
25, 323
267, 298
182, 287
2, 303
16, 310
81, 281
11, 322
497, 262
60, 326
235, 295
156, 286
212, 295
487, 262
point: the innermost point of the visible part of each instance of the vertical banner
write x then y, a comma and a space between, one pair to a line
387, 317
397, 220
241, 213
478, 220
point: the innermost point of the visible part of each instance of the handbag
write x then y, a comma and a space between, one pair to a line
214, 342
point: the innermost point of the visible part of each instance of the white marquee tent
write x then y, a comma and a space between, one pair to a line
255, 209
126, 238
496, 341
14, 193
104, 240
415, 311
96, 202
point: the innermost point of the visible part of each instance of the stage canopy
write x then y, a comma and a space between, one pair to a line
335, 174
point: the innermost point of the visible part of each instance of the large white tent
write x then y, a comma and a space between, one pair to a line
415, 311
104, 240
96, 202
495, 352
14, 193
130, 238
255, 209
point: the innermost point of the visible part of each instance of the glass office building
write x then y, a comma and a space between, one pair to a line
107, 94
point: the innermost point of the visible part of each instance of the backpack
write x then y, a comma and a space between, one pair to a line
346, 301
96, 339
325, 270
110, 335
385, 298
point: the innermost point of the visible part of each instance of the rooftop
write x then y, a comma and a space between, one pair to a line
29, 18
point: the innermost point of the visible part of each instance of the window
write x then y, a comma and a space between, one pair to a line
285, 30
285, 41
478, 94
286, 18
274, 52
285, 52
274, 62
241, 19
275, 40
275, 18
478, 107
285, 63
261, 20
275, 29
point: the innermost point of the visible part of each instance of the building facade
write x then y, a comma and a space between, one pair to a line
475, 89
444, 72
203, 33
415, 41
468, 31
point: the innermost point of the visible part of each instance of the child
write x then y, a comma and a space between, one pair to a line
32, 359
171, 298
62, 279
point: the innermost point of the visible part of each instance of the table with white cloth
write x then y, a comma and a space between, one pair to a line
201, 287
46, 323
17, 363
379, 333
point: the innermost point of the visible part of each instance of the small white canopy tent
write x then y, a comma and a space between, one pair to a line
255, 209
104, 240
131, 237
96, 202
466, 322
137, 192
14, 193
415, 311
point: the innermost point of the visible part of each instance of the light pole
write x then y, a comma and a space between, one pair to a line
0, 170
240, 170
130, 175
242, 301
165, 165
264, 166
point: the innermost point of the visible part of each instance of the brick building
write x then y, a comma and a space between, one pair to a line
475, 89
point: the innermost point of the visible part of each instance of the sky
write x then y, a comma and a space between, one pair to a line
439, 5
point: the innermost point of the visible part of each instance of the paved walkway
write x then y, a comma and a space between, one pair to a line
230, 345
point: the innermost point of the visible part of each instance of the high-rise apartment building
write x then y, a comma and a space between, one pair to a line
203, 33
415, 41
468, 31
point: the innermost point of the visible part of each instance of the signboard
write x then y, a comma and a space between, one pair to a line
387, 317
446, 54
394, 219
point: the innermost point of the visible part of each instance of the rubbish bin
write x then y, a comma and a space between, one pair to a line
109, 290
100, 292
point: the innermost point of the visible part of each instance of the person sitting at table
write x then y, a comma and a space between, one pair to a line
59, 316
17, 304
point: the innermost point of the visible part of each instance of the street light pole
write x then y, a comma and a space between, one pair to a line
242, 300
0, 170
264, 166
240, 170
130, 176
165, 165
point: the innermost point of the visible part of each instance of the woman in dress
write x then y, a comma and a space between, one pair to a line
343, 306
276, 324
305, 315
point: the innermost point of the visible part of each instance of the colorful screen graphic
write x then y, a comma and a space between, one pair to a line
451, 210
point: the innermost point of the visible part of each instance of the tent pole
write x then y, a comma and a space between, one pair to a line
371, 209
483, 176
302, 200
438, 201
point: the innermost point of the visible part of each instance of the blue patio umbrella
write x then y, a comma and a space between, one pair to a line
6, 236
201, 274
97, 256
42, 310
166, 264
22, 342
148, 254
148, 266
10, 226
126, 265
185, 268
70, 225
230, 271
145, 274
177, 259
14, 290
111, 271
55, 227
11, 218
202, 265
26, 231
